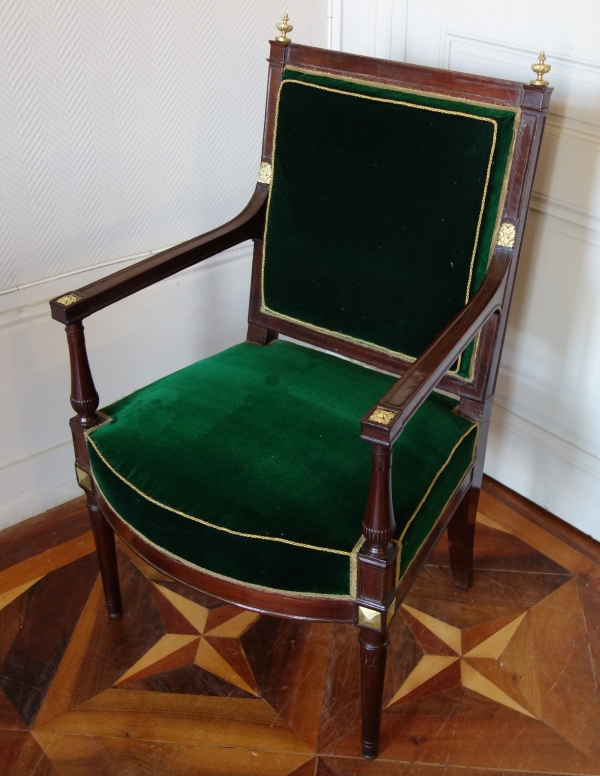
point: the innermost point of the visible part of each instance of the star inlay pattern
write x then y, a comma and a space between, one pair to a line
208, 638
471, 658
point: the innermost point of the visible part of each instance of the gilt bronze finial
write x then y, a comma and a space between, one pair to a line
284, 27
540, 69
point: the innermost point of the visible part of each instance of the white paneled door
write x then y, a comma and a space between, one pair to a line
545, 440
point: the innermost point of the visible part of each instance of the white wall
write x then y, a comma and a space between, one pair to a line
128, 126
545, 439
125, 127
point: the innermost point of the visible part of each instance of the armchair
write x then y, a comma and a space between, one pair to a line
387, 222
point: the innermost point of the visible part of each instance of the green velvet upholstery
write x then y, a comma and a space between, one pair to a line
249, 464
382, 211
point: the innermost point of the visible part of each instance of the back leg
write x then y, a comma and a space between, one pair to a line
461, 537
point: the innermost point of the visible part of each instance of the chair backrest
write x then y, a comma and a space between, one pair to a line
387, 196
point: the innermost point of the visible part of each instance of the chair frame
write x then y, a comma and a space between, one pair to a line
379, 590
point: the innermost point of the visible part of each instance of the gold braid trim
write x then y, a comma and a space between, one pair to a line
352, 555
517, 111
205, 522
406, 89
354, 567
191, 565
437, 476
425, 539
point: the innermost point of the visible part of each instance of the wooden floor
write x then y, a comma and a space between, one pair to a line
499, 679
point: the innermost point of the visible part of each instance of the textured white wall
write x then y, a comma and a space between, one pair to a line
545, 437
125, 126
128, 126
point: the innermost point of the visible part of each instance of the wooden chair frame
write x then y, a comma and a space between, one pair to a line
379, 591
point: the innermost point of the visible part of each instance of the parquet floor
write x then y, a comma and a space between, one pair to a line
500, 679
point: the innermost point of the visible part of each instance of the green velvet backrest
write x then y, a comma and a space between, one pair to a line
383, 209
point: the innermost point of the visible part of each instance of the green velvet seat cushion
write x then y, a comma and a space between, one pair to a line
382, 209
249, 465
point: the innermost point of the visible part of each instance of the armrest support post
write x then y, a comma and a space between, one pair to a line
378, 559
84, 396
379, 524
85, 400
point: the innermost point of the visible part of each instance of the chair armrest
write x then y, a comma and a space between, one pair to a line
78, 304
406, 396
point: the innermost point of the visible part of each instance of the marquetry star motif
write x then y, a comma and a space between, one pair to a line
209, 638
470, 658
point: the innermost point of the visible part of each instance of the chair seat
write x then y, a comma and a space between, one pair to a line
249, 465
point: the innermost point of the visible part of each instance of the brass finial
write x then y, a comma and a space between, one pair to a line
540, 69
284, 27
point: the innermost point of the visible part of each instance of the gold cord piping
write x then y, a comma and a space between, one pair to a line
346, 337
435, 479
191, 565
205, 522
396, 88
354, 567
352, 555
441, 513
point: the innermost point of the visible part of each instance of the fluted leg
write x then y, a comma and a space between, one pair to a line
104, 538
373, 652
461, 538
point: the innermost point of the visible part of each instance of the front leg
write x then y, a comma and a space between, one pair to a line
373, 654
84, 400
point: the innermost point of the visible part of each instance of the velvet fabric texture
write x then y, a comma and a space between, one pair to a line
249, 465
382, 209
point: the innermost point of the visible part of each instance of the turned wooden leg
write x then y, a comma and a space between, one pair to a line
377, 564
84, 400
104, 538
373, 651
461, 537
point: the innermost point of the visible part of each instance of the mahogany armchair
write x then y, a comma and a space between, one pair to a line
387, 222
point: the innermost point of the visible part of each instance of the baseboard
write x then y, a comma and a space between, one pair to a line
37, 483
555, 441
573, 537
38, 503
545, 468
